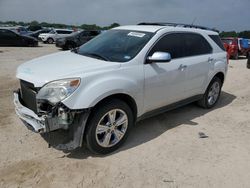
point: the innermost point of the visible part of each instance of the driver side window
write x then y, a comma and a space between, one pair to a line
171, 43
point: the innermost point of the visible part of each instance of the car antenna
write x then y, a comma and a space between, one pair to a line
193, 21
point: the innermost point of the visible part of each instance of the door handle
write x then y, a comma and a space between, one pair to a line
182, 67
210, 59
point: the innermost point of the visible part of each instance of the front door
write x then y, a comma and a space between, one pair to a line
165, 81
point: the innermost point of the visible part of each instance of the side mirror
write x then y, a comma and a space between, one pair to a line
159, 57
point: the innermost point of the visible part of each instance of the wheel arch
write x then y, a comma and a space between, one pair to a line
220, 75
123, 97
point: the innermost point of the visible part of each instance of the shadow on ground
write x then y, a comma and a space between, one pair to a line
150, 128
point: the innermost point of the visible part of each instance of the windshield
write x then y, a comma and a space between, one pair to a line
52, 32
116, 45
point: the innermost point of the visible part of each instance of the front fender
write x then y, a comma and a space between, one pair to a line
94, 91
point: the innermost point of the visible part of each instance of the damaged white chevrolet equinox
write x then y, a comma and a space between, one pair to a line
94, 94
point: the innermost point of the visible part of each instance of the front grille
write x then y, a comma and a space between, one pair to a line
28, 95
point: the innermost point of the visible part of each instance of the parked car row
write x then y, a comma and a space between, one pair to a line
64, 38
9, 37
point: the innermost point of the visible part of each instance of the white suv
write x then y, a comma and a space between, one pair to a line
96, 93
54, 34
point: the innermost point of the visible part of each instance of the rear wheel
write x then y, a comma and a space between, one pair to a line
212, 94
109, 126
248, 62
236, 56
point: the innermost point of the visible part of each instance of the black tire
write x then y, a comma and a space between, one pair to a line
248, 62
50, 40
70, 46
204, 102
236, 56
91, 137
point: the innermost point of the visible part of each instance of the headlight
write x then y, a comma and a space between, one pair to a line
58, 90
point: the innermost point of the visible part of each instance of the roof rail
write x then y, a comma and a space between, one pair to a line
178, 25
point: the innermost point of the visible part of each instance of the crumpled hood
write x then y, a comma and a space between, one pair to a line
59, 66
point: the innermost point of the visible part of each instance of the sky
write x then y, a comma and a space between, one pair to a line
225, 15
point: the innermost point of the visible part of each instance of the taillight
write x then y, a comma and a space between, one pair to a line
234, 46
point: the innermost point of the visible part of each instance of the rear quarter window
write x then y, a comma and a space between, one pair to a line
218, 41
195, 44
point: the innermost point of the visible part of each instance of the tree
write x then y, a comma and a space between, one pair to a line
90, 27
228, 34
34, 23
244, 34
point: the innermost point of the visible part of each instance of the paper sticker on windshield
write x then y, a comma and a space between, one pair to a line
136, 34
127, 57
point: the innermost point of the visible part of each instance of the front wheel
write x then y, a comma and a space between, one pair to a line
70, 46
109, 126
212, 94
50, 40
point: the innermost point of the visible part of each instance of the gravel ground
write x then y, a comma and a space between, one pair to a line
163, 151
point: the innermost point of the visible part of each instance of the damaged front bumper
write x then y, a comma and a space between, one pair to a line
57, 135
32, 121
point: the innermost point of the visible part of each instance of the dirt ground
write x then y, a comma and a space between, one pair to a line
163, 151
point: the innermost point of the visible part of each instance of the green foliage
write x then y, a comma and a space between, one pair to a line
34, 23
244, 34
58, 25
228, 34
90, 27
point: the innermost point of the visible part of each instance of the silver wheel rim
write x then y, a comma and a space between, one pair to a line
111, 128
213, 93
50, 41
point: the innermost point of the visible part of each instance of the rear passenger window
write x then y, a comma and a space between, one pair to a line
218, 41
63, 32
170, 43
196, 44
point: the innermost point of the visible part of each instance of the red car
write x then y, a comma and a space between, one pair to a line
236, 47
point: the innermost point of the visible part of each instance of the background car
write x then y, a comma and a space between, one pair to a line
38, 32
76, 39
236, 47
20, 29
11, 38
54, 34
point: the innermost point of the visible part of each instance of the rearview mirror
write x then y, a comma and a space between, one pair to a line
159, 57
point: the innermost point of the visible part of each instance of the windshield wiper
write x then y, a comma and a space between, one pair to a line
98, 56
75, 50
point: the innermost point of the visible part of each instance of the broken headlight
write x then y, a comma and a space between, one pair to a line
59, 90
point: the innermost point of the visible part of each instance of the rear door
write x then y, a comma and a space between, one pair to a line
198, 53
